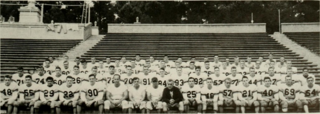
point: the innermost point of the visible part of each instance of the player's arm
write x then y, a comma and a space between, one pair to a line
184, 93
76, 95
109, 96
21, 95
55, 96
41, 94
276, 94
280, 94
143, 94
239, 95
203, 96
221, 95
15, 93
61, 96
255, 94
125, 95
198, 96
83, 95
36, 95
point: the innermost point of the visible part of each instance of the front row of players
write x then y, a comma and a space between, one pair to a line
139, 97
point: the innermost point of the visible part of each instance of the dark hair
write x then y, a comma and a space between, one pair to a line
20, 68
76, 66
244, 77
111, 66
117, 75
154, 79
190, 78
92, 75
49, 78
216, 68
7, 76
135, 78
58, 68
198, 67
265, 78
29, 76
83, 61
69, 77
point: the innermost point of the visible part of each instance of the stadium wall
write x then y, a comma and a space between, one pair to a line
40, 31
188, 28
300, 27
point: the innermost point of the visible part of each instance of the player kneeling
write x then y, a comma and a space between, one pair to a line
29, 94
310, 94
228, 96
154, 93
116, 95
69, 95
268, 95
9, 94
209, 96
48, 95
248, 95
289, 94
92, 94
191, 95
137, 94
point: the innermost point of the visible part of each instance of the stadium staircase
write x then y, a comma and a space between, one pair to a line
310, 40
30, 53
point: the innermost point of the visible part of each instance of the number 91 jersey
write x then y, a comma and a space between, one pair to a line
92, 91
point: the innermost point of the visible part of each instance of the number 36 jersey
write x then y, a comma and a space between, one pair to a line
92, 91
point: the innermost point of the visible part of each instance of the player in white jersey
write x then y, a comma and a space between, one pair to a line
216, 62
236, 61
48, 95
270, 58
40, 76
154, 95
191, 95
66, 70
310, 96
209, 96
227, 96
48, 67
198, 76
225, 68
259, 68
254, 78
242, 69
268, 95
69, 95
108, 76
77, 76
235, 76
92, 93
162, 77
116, 95
108, 63
128, 76
136, 68
93, 62
29, 94
302, 78
191, 68
84, 68
145, 76
207, 68
249, 62
19, 77
179, 77
153, 62
275, 77
289, 94
284, 70
101, 68
139, 61
137, 94
217, 77
58, 77
167, 62
9, 94
164, 66
281, 64
123, 62
248, 95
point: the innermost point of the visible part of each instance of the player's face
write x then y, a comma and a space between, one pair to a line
116, 79
271, 71
40, 71
258, 64
289, 71
108, 60
310, 81
216, 71
193, 59
129, 69
145, 69
272, 64
76, 70
227, 83
69, 81
236, 60
123, 59
84, 64
179, 70
58, 71
101, 63
191, 82
66, 65
288, 80
261, 59
281, 59
28, 80
133, 63
209, 83
50, 82
66, 58
252, 72
7, 81
151, 59
47, 63
267, 82
242, 64
137, 57
111, 70
155, 83
179, 60
245, 81
162, 72
234, 71
177, 63
50, 58
205, 59
136, 82
305, 72
94, 70
216, 59
92, 79
198, 70
207, 65
249, 59
166, 58
191, 65
76, 60
227, 60
170, 85
20, 72
162, 64
93, 60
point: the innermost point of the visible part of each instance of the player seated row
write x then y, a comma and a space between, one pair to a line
138, 63
91, 94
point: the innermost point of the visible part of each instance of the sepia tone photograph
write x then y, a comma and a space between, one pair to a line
165, 56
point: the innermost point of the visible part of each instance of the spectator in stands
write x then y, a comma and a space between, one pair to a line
172, 97
11, 19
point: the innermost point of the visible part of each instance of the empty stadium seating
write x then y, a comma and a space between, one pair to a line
198, 45
30, 53
310, 40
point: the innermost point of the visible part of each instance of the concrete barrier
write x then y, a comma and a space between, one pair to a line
188, 28
40, 31
300, 27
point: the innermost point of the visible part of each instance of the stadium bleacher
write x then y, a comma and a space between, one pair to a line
310, 40
195, 45
30, 53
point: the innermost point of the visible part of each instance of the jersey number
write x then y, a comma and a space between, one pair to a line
191, 94
308, 93
289, 91
46, 92
268, 93
227, 92
7, 92
246, 93
93, 92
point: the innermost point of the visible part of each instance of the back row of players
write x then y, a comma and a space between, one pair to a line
140, 84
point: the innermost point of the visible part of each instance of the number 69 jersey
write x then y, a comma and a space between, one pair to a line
309, 93
289, 92
92, 91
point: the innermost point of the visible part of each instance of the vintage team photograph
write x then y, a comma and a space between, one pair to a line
167, 56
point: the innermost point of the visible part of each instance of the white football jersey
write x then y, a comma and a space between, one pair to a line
268, 92
49, 92
209, 93
162, 80
59, 80
256, 80
138, 94
92, 91
289, 92
116, 92
19, 80
275, 80
218, 80
309, 93
7, 91
29, 92
199, 79
191, 92
247, 92
69, 92
156, 93
39, 79
228, 92
235, 80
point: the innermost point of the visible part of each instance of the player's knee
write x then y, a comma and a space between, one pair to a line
186, 102
284, 104
100, 102
263, 103
74, 103
58, 104
124, 104
305, 102
237, 103
107, 104
16, 103
299, 104
53, 104
199, 102
220, 103
275, 103
256, 103
243, 103
36, 104
164, 104
143, 105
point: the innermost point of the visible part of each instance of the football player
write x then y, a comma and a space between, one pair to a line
259, 69
84, 68
40, 76
116, 95
29, 94
128, 76
216, 62
66, 69
302, 78
191, 68
191, 95
101, 68
235, 76
58, 77
281, 64
242, 69
48, 95
270, 58
109, 75
69, 95
253, 77
209, 96
198, 76
108, 62
92, 93
179, 77
9, 94
249, 62
48, 67
268, 95
207, 69
77, 76
275, 77
154, 94
228, 96
93, 62
217, 77
248, 96
139, 61
236, 61
137, 94
19, 77
310, 94
146, 76
289, 94
162, 77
